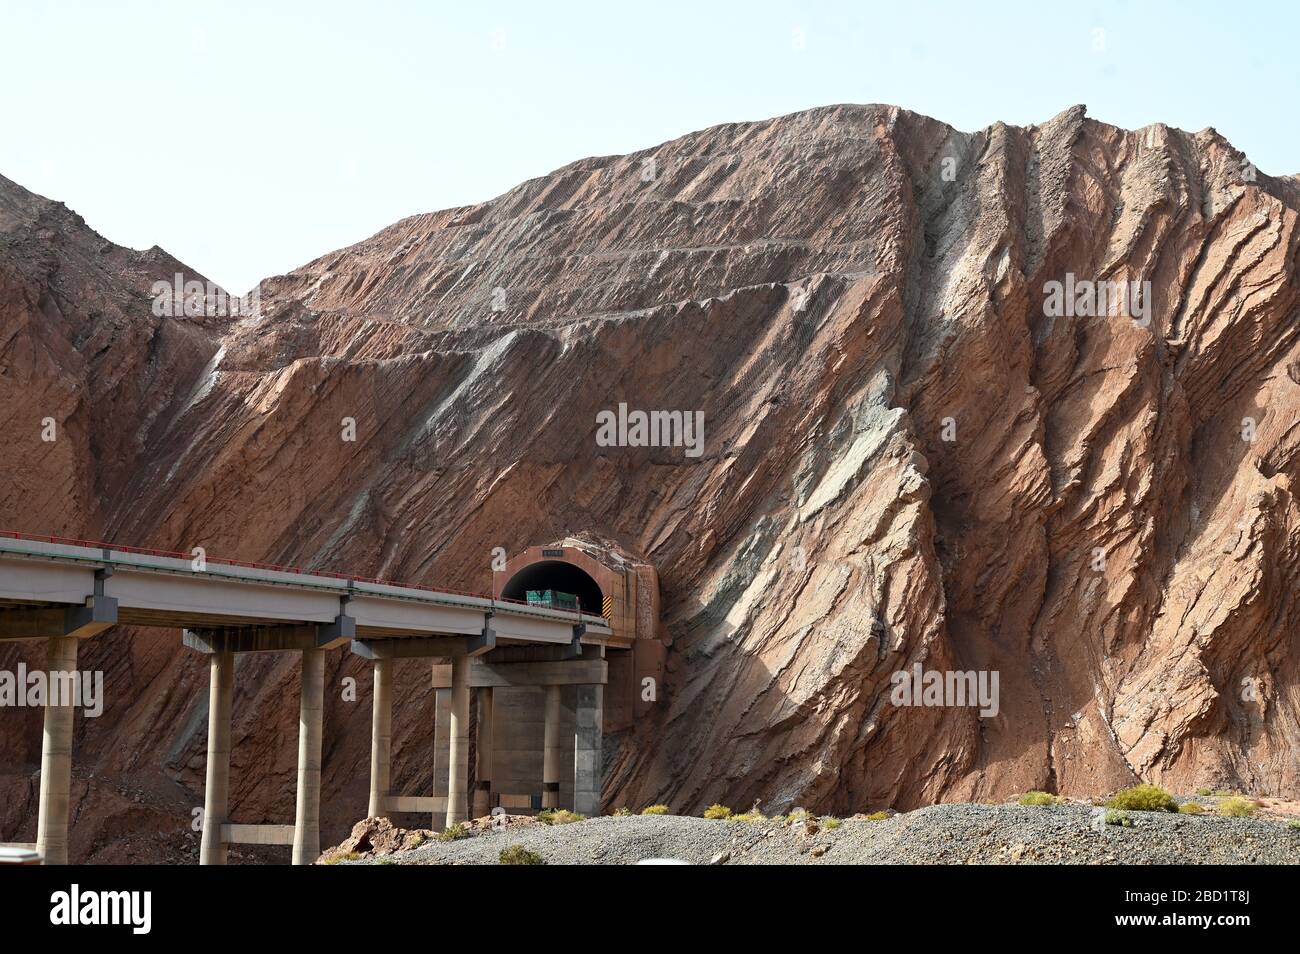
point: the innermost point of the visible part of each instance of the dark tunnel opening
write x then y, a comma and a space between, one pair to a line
555, 575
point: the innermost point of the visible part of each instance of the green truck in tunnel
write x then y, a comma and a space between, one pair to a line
552, 598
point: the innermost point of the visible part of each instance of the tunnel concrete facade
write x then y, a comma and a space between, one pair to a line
629, 588
544, 745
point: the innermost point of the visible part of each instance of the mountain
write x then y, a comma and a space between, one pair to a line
926, 442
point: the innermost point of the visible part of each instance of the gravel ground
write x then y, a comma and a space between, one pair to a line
939, 834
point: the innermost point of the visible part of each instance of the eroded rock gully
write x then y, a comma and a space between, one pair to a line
840, 291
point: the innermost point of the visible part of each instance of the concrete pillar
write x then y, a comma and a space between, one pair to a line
551, 753
216, 791
381, 737
483, 761
458, 744
587, 777
441, 747
311, 708
56, 752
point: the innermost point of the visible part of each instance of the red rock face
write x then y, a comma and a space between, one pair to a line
906, 460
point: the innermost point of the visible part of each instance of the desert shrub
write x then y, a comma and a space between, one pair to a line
830, 823
1118, 817
878, 816
384, 860
345, 856
1143, 798
519, 855
717, 811
1237, 807
623, 812
1190, 808
751, 816
417, 841
655, 810
1038, 798
1202, 792
455, 833
1294, 824
559, 816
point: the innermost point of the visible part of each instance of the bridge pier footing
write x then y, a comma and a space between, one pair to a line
216, 790
311, 707
56, 752
381, 738
458, 742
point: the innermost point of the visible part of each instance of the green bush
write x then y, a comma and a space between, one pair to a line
1118, 817
519, 855
655, 810
417, 841
750, 816
717, 811
1237, 807
623, 812
830, 823
385, 860
878, 816
1294, 824
345, 856
1038, 798
455, 832
1143, 798
1190, 808
559, 816
1202, 792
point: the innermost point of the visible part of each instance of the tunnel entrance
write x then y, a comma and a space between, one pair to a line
612, 582
555, 575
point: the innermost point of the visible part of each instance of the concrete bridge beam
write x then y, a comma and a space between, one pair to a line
311, 707
216, 791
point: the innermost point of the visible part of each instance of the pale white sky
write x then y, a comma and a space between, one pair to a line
249, 138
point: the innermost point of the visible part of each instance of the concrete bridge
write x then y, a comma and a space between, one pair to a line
63, 591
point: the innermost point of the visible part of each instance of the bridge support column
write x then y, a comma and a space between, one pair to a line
216, 790
483, 760
441, 749
587, 750
551, 753
458, 743
381, 738
306, 829
56, 752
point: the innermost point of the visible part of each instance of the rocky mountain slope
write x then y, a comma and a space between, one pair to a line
908, 459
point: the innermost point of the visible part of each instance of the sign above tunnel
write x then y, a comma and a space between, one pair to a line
553, 553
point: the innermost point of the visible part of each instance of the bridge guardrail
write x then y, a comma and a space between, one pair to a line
109, 548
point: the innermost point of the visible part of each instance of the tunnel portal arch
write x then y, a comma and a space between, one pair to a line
558, 575
621, 586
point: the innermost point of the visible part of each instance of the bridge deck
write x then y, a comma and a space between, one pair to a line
42, 577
